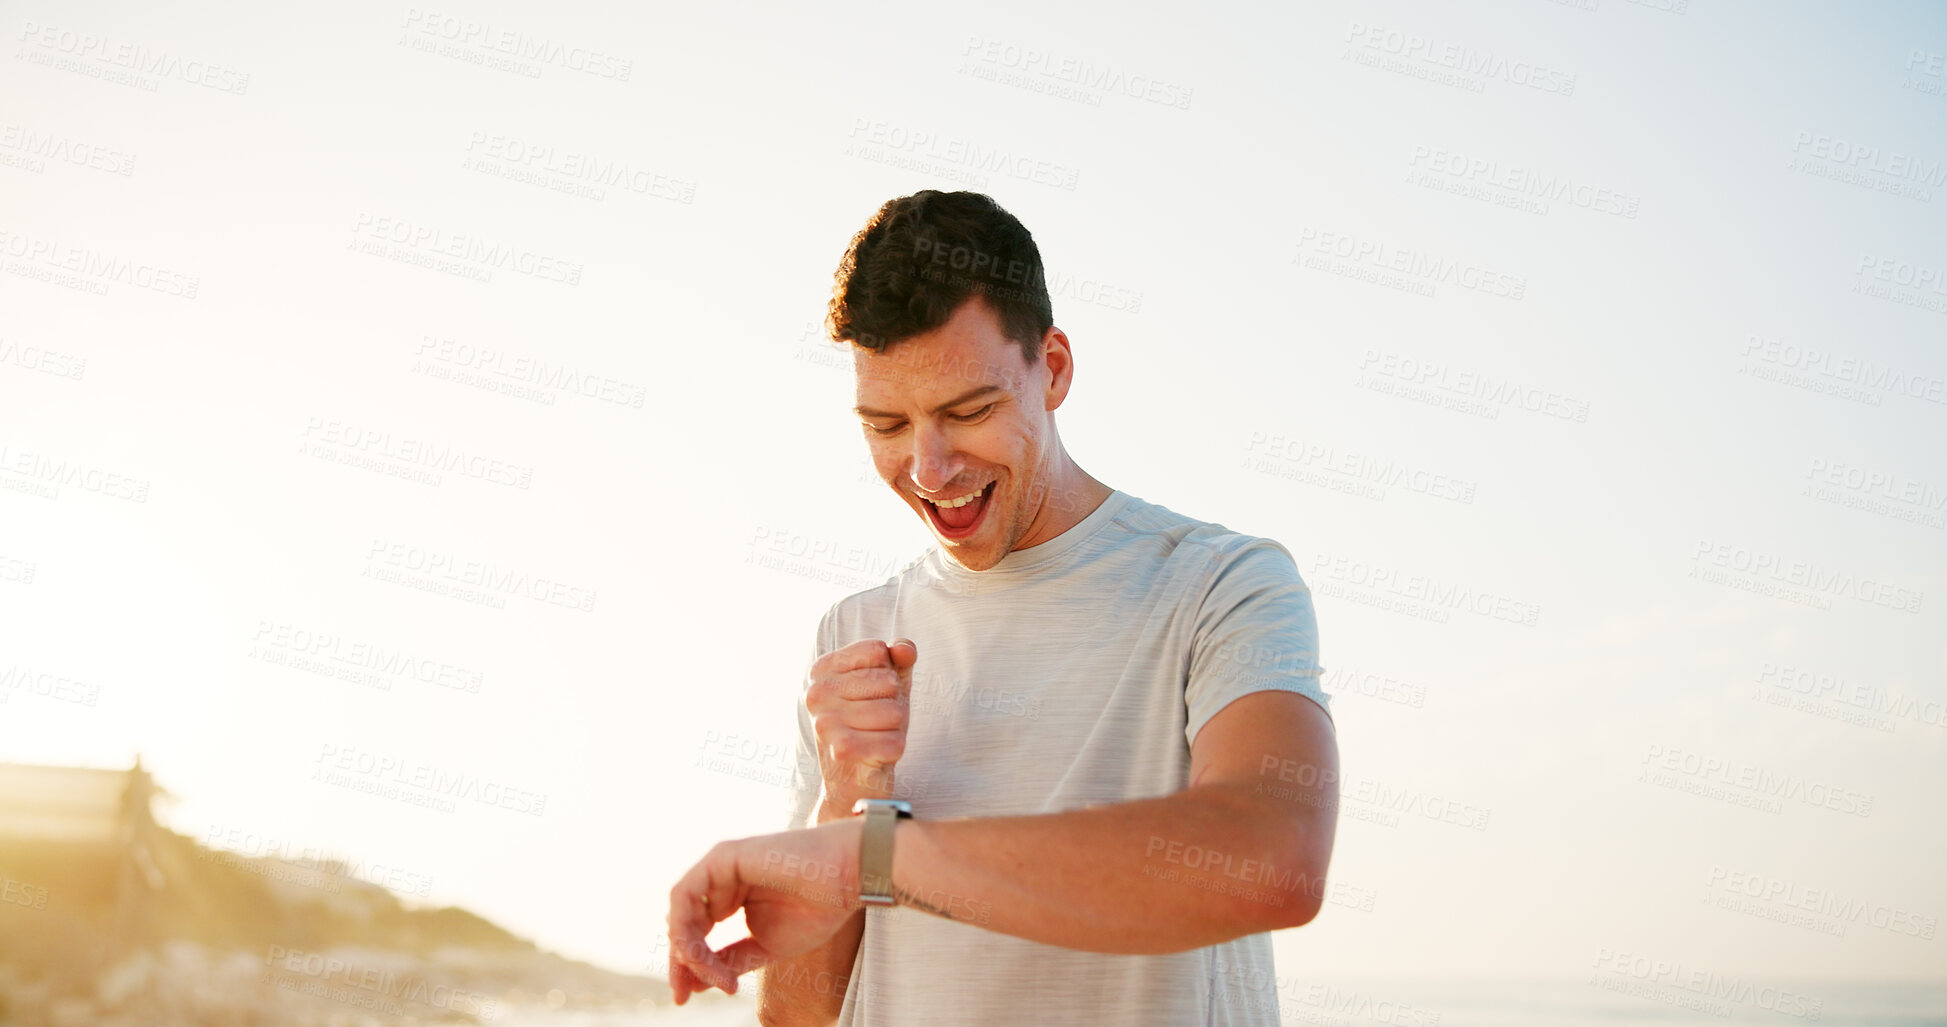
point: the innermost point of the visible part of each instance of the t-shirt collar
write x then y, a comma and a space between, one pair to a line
1021, 561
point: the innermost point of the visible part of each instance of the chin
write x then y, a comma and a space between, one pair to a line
980, 561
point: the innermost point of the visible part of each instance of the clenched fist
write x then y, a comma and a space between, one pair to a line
859, 699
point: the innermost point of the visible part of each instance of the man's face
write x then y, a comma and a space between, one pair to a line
957, 413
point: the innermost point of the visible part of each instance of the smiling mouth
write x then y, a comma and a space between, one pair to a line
959, 517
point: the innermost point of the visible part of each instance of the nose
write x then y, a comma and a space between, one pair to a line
934, 461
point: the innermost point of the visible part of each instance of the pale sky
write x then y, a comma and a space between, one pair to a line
1587, 360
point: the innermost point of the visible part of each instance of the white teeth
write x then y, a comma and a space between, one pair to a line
954, 504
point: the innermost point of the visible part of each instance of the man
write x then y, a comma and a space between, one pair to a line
1105, 717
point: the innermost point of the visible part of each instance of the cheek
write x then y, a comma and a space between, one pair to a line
1009, 443
1022, 452
884, 460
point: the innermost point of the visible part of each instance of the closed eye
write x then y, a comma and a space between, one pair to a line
976, 416
894, 428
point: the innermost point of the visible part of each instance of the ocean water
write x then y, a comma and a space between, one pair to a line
1448, 1004
1616, 1001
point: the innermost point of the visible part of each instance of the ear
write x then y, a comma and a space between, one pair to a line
1060, 358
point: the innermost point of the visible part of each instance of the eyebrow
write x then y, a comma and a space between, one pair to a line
965, 397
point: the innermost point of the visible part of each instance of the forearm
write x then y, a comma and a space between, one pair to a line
809, 990
1196, 868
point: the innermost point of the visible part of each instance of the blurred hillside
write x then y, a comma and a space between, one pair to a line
107, 918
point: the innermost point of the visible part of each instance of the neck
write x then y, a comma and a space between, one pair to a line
1072, 494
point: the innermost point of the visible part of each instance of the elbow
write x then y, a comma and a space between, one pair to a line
1287, 887
1306, 850
1297, 885
1294, 900
1280, 907
1279, 897
1303, 908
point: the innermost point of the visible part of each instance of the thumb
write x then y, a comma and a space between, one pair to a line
904, 654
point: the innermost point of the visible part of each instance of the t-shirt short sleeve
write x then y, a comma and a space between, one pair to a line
807, 783
1255, 632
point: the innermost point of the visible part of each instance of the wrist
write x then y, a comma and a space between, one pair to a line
829, 811
878, 847
905, 836
837, 804
853, 830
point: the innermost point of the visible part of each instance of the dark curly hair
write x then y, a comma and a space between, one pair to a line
921, 256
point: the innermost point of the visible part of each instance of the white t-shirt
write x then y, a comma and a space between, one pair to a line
1072, 673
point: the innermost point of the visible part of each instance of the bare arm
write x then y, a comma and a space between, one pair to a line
809, 990
1244, 849
857, 703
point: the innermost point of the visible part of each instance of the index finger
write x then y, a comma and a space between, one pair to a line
869, 685
860, 655
682, 981
707, 895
